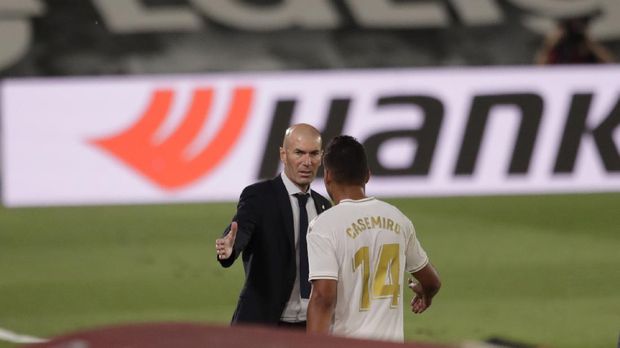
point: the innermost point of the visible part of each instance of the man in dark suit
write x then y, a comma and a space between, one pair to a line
269, 228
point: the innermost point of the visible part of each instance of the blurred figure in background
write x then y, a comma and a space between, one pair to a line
359, 252
570, 43
269, 228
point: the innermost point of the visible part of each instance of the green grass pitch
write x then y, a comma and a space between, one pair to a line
538, 269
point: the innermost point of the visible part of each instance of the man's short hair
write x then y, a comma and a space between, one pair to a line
346, 159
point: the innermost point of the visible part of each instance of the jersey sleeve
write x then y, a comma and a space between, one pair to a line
322, 260
416, 257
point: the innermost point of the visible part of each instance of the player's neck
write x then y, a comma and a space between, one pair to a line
348, 192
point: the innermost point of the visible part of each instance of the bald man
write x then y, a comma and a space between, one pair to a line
269, 230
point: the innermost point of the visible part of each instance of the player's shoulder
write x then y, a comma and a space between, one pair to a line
393, 209
326, 220
385, 205
328, 215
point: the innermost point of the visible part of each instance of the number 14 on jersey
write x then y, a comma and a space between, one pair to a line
385, 278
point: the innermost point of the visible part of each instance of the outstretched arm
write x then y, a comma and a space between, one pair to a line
426, 287
239, 233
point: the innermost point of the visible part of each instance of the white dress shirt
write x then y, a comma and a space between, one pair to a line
296, 308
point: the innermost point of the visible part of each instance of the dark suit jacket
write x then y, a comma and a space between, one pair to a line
265, 235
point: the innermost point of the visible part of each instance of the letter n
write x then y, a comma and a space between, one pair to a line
531, 106
425, 136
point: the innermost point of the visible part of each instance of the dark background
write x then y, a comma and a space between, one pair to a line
70, 37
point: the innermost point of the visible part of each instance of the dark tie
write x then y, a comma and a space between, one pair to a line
304, 285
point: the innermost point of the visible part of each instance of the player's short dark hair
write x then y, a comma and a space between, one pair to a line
346, 159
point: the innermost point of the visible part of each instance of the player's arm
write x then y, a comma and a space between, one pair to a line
427, 285
323, 272
238, 234
322, 305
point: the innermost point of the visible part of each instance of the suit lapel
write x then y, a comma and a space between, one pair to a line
284, 203
318, 202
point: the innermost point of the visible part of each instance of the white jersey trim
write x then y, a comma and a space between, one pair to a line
323, 276
419, 268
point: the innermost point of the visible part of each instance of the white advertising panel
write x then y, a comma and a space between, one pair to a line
204, 137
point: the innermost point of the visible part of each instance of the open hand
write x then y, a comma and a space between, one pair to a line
224, 245
419, 302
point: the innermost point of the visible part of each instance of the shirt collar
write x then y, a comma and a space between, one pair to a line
291, 188
348, 200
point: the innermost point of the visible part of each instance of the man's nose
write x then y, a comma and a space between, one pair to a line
307, 160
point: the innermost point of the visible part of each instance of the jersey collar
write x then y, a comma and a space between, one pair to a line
348, 200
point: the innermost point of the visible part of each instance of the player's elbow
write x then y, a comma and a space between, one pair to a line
323, 300
429, 279
433, 286
324, 294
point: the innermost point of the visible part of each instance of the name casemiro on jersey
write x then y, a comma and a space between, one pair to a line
372, 222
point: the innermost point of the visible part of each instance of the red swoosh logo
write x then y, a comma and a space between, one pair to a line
164, 163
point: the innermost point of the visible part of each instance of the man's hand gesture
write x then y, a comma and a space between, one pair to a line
224, 246
420, 302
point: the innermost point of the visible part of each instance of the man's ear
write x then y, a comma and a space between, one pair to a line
282, 154
327, 175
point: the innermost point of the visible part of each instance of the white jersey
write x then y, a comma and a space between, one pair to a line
367, 246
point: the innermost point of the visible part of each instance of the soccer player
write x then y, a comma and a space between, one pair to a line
358, 252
